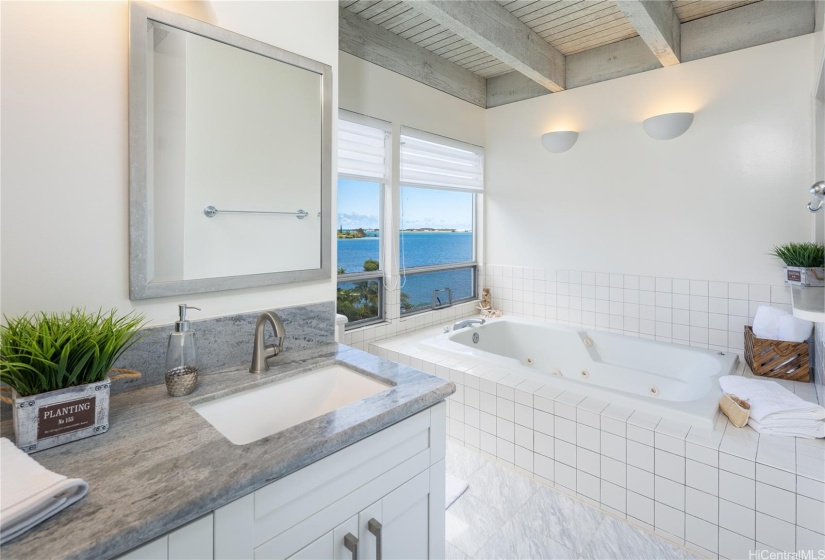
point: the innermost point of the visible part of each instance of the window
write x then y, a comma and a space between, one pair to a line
361, 179
440, 180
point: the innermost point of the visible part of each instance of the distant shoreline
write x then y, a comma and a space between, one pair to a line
406, 231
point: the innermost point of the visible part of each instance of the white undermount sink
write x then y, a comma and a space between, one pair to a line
254, 414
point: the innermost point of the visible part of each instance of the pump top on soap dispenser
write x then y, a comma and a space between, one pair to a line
182, 356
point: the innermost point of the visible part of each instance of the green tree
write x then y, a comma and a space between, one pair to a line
405, 301
360, 301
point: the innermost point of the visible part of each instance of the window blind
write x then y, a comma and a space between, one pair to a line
360, 150
426, 161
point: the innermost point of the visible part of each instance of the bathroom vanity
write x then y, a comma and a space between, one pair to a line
383, 495
165, 482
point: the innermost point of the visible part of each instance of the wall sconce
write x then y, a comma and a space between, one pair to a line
667, 126
558, 142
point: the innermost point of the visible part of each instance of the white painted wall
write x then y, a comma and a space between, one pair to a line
380, 93
708, 205
64, 138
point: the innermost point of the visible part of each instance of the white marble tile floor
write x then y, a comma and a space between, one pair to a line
505, 515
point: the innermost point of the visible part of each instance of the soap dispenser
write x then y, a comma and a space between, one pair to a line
182, 356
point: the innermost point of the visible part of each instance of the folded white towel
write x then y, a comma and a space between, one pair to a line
791, 428
31, 493
775, 408
766, 322
794, 329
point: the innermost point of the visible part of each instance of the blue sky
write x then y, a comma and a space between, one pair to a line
358, 206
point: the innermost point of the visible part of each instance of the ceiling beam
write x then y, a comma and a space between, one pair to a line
491, 27
607, 62
658, 25
747, 26
364, 39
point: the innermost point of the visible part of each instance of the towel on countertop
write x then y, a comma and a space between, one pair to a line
794, 329
790, 428
31, 493
774, 409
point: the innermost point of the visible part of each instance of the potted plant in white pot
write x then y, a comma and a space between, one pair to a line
55, 373
804, 263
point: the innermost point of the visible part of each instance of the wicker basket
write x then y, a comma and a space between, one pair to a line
774, 358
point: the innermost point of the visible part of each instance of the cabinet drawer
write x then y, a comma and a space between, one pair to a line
286, 502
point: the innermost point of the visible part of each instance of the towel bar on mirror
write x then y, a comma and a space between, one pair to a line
211, 212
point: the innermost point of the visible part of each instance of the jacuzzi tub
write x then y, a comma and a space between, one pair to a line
676, 382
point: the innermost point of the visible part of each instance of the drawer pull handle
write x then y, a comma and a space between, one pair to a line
351, 544
375, 528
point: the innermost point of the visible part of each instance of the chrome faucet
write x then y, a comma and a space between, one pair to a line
467, 323
261, 351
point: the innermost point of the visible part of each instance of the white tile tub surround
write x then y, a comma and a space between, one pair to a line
699, 313
395, 324
720, 493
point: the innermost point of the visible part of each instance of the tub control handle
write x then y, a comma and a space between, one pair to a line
351, 544
374, 527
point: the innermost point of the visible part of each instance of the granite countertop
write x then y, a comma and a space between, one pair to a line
161, 465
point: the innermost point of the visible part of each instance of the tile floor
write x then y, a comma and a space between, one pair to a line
505, 515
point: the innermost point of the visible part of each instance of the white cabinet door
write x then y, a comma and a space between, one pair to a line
157, 549
333, 545
406, 520
346, 544
192, 541
368, 538
235, 529
320, 549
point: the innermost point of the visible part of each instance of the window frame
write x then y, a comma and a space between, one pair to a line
473, 263
379, 275
429, 269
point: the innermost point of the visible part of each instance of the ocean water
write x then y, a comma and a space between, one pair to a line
419, 249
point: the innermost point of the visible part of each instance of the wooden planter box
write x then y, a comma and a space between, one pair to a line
57, 417
779, 359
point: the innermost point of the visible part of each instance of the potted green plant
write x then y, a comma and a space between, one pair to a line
804, 263
55, 373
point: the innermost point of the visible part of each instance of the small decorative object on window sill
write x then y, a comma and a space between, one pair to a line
442, 297
779, 359
804, 263
737, 410
486, 305
57, 369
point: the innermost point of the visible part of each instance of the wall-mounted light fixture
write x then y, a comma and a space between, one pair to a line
667, 126
558, 142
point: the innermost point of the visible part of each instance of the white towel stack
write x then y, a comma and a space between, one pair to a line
775, 410
776, 324
31, 493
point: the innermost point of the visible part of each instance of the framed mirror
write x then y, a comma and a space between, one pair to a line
229, 159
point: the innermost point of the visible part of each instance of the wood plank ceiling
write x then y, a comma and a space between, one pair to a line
567, 25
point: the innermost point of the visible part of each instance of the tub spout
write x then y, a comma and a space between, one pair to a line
467, 323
